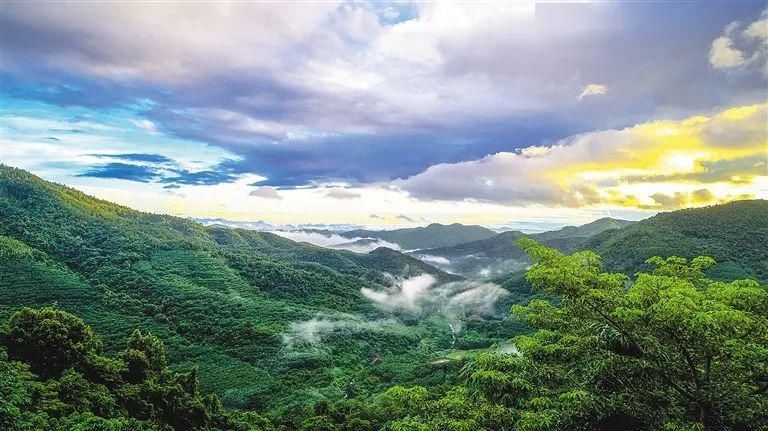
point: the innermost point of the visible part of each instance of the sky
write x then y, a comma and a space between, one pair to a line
390, 114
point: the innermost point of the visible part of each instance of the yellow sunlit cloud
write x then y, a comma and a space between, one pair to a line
656, 165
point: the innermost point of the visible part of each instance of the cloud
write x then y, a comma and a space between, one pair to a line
724, 56
433, 259
741, 49
594, 168
315, 330
407, 295
265, 192
421, 296
199, 178
336, 241
137, 157
145, 125
156, 168
342, 193
122, 171
357, 92
681, 199
593, 90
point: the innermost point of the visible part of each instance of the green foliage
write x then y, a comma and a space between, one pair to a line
665, 349
673, 350
95, 392
220, 299
734, 234
49, 340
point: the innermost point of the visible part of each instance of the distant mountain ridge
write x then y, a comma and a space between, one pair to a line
585, 230
734, 234
498, 254
430, 236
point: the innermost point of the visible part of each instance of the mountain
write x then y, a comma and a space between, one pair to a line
499, 255
433, 235
735, 234
583, 231
495, 246
230, 302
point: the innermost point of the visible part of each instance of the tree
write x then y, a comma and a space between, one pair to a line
49, 340
673, 350
135, 391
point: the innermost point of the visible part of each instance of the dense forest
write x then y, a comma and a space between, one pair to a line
113, 319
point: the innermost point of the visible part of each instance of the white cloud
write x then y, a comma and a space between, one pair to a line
336, 241
342, 193
758, 29
146, 125
724, 56
422, 296
614, 167
314, 331
742, 50
265, 192
593, 90
433, 259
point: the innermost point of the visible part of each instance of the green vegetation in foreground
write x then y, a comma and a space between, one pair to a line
672, 351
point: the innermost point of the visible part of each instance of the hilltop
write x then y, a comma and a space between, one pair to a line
735, 234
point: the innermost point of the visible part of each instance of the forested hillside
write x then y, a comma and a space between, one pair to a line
672, 351
584, 231
223, 300
733, 233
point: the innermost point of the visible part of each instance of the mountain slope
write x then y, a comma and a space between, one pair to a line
502, 245
734, 234
584, 231
496, 246
221, 298
499, 255
433, 235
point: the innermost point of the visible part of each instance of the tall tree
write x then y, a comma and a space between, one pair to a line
672, 350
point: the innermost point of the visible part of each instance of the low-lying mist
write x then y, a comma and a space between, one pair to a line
474, 266
335, 241
420, 296
408, 300
314, 331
